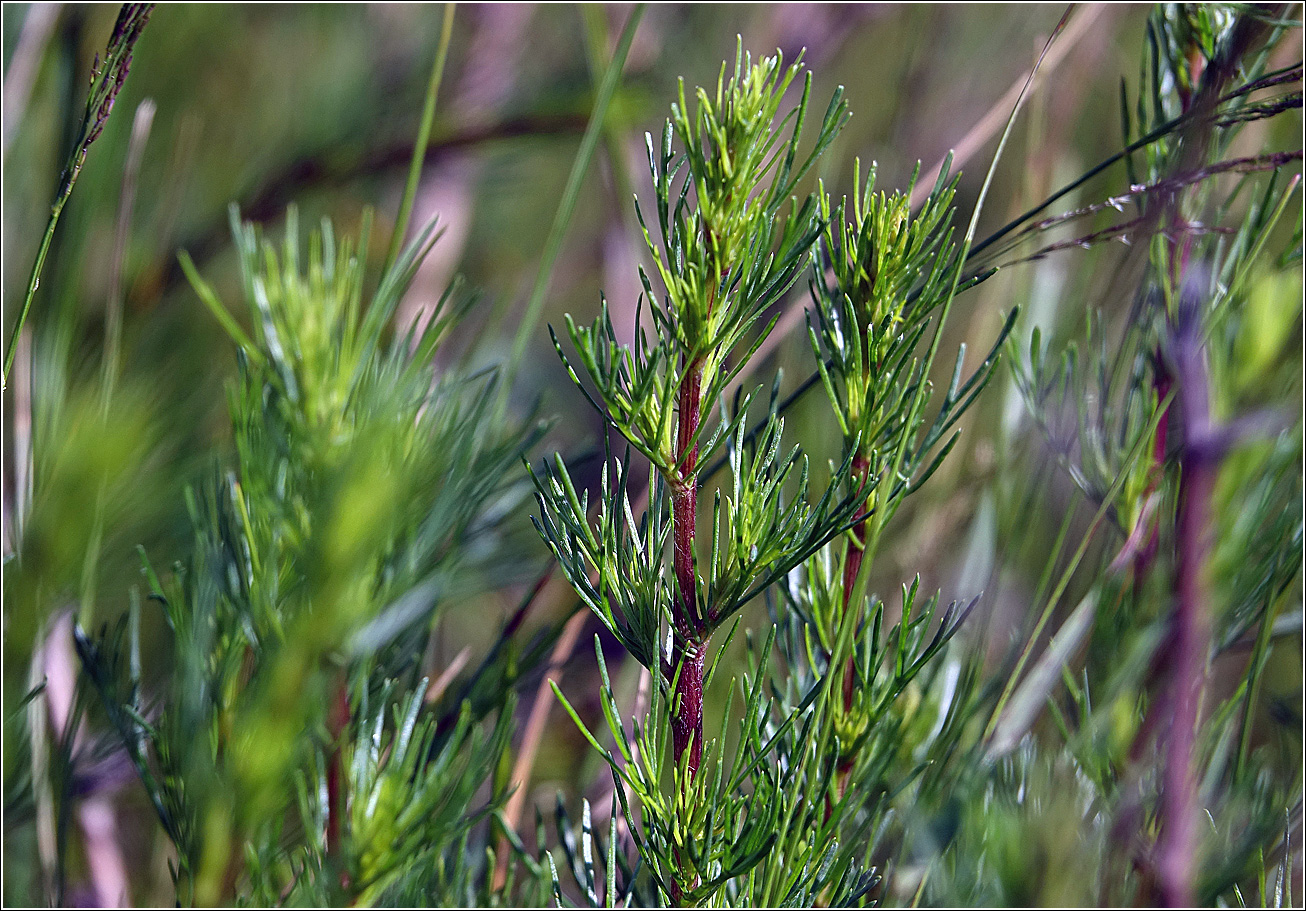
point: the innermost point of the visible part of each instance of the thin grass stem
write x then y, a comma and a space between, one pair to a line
570, 195
423, 139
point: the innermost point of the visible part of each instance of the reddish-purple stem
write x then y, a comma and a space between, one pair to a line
854, 553
1190, 632
689, 644
688, 648
852, 567
1147, 554
337, 721
1177, 840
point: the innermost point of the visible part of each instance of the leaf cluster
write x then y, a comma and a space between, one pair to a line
884, 277
724, 253
362, 481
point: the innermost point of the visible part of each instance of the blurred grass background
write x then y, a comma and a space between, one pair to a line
264, 105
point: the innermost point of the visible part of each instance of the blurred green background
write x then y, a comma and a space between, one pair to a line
262, 106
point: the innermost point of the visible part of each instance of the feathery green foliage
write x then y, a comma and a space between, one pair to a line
360, 479
762, 816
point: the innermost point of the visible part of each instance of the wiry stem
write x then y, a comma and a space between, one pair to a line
1147, 555
854, 555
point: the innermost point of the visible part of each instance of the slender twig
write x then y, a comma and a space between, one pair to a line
1141, 193
1186, 119
994, 118
338, 714
18, 457
1190, 632
686, 667
533, 732
455, 667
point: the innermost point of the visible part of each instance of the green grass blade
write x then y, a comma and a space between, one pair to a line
553, 244
423, 139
